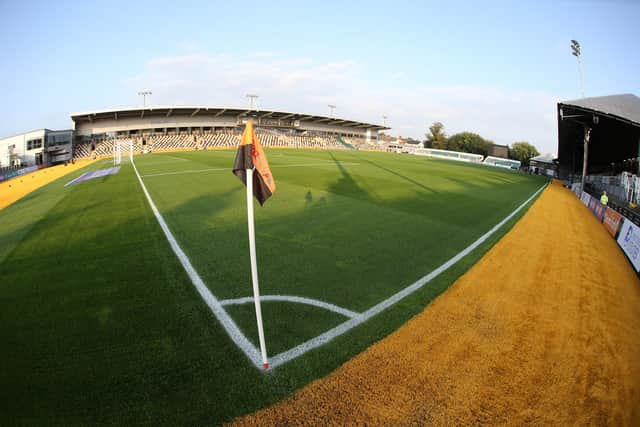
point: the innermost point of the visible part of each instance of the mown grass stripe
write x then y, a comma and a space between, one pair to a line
226, 169
301, 349
212, 302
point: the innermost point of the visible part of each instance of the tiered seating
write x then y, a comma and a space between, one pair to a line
82, 150
270, 139
170, 142
359, 143
208, 140
220, 139
105, 148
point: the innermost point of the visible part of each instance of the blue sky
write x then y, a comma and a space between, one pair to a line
495, 68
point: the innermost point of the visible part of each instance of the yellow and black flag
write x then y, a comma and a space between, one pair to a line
251, 162
251, 155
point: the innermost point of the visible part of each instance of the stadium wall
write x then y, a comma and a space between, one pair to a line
119, 121
448, 155
103, 126
340, 130
625, 232
502, 163
130, 124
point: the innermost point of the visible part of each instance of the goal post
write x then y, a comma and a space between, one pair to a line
122, 151
117, 158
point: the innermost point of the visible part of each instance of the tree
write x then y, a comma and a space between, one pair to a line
436, 137
468, 142
523, 151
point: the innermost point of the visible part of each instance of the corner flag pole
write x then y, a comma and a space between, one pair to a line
254, 267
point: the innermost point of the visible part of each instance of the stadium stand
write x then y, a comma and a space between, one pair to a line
346, 144
359, 143
173, 127
205, 141
82, 150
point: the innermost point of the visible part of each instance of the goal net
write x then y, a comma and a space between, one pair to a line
122, 152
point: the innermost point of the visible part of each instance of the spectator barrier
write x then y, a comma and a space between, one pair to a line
622, 229
5, 176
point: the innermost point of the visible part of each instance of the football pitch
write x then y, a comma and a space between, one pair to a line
100, 323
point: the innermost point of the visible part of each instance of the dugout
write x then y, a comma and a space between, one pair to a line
544, 164
613, 125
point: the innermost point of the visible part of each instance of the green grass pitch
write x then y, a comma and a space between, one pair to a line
101, 325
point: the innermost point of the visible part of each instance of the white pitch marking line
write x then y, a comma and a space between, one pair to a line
321, 339
232, 329
251, 351
158, 159
185, 172
161, 162
292, 298
328, 163
226, 169
166, 156
291, 156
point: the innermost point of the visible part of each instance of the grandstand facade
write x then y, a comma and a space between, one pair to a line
157, 128
161, 128
604, 132
183, 119
613, 125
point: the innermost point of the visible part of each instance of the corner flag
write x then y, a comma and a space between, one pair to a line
250, 155
252, 169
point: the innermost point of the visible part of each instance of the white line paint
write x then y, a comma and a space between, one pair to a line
321, 339
227, 169
161, 162
185, 172
295, 299
232, 329
355, 319
290, 156
161, 159
166, 156
315, 164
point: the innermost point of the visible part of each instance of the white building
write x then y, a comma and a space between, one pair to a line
36, 147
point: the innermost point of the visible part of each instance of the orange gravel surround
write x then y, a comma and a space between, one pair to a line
543, 330
16, 188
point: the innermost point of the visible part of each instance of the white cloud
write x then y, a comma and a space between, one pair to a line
302, 84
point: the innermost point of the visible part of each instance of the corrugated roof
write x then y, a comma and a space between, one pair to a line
625, 106
543, 158
169, 110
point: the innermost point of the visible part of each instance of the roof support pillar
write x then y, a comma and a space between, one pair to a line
587, 136
638, 159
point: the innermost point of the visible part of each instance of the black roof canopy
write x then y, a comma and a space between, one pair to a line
614, 143
625, 107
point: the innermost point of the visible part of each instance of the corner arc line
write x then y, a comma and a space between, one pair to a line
295, 299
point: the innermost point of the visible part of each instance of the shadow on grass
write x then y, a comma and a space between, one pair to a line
399, 175
346, 185
104, 327
102, 316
